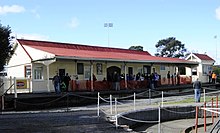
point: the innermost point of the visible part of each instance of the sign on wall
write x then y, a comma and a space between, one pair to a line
21, 83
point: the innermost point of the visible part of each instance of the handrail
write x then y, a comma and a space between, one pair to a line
2, 85
8, 89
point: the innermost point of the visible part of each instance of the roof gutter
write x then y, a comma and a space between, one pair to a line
132, 61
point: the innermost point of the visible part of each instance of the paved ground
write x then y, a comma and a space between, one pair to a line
84, 119
65, 122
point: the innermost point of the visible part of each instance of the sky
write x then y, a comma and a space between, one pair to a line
196, 23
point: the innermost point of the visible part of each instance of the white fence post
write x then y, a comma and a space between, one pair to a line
162, 98
111, 104
15, 88
116, 121
134, 100
98, 105
204, 93
149, 96
116, 112
3, 102
159, 119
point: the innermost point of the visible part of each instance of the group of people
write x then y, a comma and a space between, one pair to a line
61, 83
174, 79
212, 77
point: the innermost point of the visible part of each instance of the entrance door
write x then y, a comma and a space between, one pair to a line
110, 72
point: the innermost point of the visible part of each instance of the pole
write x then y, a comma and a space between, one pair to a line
196, 124
3, 102
111, 104
134, 100
159, 119
98, 105
216, 105
116, 106
162, 98
149, 96
212, 113
15, 88
204, 117
204, 94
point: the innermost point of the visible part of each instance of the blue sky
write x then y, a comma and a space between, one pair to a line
135, 22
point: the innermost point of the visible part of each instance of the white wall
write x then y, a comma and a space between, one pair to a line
15, 67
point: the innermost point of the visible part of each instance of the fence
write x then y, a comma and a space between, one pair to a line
119, 106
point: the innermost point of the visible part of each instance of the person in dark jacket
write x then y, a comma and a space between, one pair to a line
66, 80
197, 86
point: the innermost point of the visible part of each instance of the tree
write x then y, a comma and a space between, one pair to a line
140, 48
6, 50
170, 47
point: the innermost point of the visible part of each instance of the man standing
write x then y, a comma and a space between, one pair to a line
66, 80
56, 83
197, 86
168, 77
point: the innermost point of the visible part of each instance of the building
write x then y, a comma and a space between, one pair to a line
202, 70
41, 60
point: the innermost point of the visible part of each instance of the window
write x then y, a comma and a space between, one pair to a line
162, 67
27, 71
99, 68
194, 71
182, 70
206, 69
130, 70
80, 68
38, 73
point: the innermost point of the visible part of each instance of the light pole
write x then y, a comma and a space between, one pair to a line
216, 58
108, 25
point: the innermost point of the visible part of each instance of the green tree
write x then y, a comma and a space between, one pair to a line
140, 48
6, 50
170, 47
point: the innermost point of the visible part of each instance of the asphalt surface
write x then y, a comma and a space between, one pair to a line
56, 122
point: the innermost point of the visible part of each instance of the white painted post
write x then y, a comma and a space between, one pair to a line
149, 96
116, 121
98, 105
111, 104
48, 79
134, 100
3, 102
159, 119
15, 88
204, 94
162, 98
116, 112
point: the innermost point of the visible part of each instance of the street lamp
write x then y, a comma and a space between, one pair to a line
108, 25
215, 37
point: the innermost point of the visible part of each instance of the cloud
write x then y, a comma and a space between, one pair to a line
11, 9
74, 23
32, 36
36, 14
217, 12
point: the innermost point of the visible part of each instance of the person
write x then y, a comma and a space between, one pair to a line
168, 77
116, 81
152, 80
77, 83
197, 86
214, 76
210, 76
66, 81
56, 83
178, 78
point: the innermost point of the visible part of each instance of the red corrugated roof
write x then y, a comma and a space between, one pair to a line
96, 52
203, 56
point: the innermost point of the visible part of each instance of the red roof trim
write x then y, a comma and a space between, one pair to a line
203, 56
26, 51
78, 46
